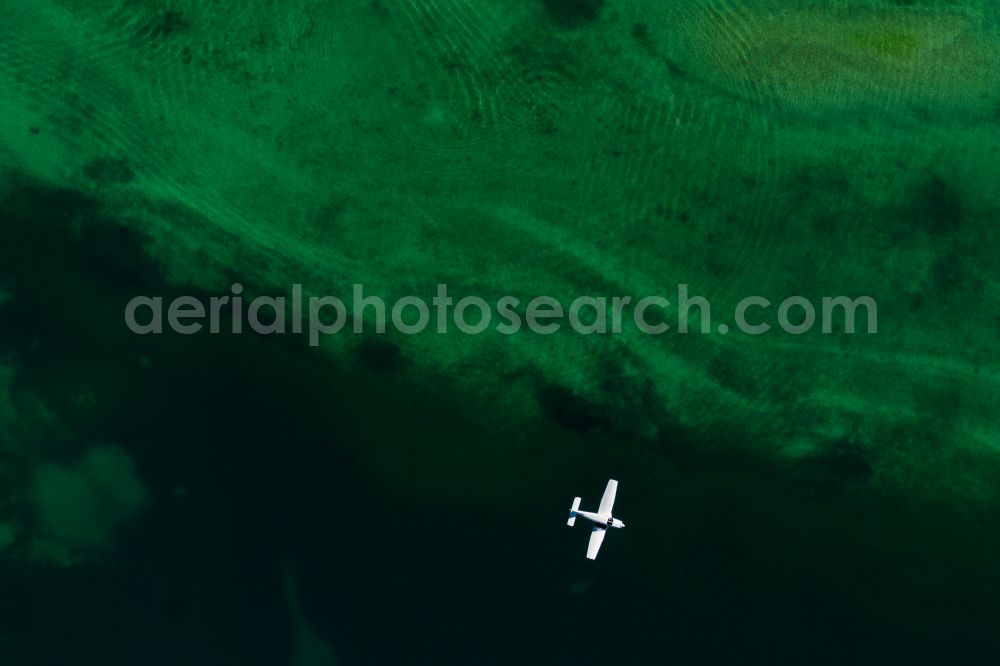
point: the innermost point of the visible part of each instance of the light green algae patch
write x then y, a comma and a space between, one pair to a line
864, 55
79, 506
8, 534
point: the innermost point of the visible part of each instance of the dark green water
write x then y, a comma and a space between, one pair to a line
238, 499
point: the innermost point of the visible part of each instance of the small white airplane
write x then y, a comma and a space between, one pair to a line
602, 520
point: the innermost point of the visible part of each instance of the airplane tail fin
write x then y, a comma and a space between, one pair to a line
572, 512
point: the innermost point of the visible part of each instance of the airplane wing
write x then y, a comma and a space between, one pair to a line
608, 500
596, 539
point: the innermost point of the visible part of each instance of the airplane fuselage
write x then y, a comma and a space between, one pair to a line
600, 520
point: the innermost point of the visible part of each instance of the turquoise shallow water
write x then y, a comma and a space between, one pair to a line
252, 500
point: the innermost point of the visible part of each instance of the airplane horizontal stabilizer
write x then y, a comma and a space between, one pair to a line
572, 512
